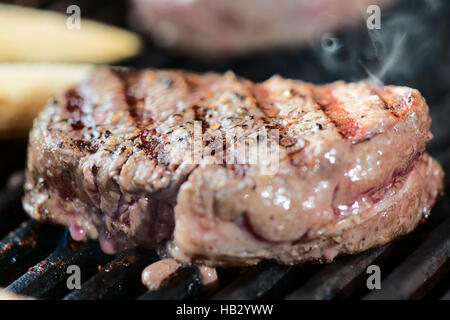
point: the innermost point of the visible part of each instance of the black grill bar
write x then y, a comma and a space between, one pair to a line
119, 279
10, 195
446, 296
184, 285
417, 274
47, 278
263, 281
254, 283
25, 246
331, 281
11, 213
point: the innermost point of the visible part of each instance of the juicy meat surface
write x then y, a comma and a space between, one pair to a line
208, 28
344, 168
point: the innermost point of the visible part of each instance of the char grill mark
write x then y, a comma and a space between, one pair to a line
149, 142
196, 94
260, 94
347, 126
85, 145
77, 124
200, 115
128, 81
264, 102
74, 100
74, 103
397, 105
288, 106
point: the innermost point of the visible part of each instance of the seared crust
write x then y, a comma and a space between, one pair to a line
114, 156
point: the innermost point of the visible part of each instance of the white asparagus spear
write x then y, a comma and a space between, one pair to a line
29, 35
25, 89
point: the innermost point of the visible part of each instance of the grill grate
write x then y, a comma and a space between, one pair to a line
338, 276
34, 257
47, 278
118, 279
25, 246
184, 285
421, 271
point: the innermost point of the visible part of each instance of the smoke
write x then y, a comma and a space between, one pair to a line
408, 43
330, 45
388, 60
402, 43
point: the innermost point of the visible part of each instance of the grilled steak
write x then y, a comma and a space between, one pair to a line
345, 167
214, 27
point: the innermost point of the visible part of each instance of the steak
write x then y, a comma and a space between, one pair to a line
206, 28
344, 166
